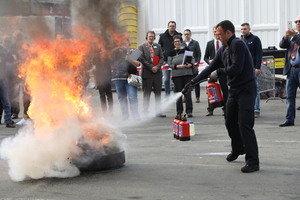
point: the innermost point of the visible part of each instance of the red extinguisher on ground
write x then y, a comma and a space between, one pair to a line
214, 94
184, 129
174, 126
176, 122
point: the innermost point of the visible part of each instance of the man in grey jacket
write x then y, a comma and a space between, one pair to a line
291, 42
151, 59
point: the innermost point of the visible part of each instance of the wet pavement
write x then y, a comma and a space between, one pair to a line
159, 167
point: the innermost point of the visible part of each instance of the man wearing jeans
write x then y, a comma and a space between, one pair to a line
254, 44
4, 90
166, 43
291, 42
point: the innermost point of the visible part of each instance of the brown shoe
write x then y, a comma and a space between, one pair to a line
197, 100
209, 113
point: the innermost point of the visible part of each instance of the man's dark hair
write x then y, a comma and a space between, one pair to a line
245, 24
226, 25
177, 37
148, 32
171, 22
188, 30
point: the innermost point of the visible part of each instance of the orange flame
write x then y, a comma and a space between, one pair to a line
54, 73
54, 76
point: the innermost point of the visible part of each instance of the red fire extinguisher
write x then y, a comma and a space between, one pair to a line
214, 95
184, 129
176, 122
175, 126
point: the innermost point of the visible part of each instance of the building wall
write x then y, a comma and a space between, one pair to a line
268, 18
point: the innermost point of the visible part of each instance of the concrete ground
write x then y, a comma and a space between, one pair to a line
158, 167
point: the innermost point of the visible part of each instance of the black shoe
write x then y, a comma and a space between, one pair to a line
249, 168
161, 115
209, 113
14, 116
286, 124
233, 156
190, 115
298, 108
12, 125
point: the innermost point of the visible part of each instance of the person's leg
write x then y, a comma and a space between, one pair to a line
157, 92
188, 96
103, 104
26, 104
109, 96
257, 99
232, 125
291, 91
5, 102
178, 85
167, 81
120, 86
197, 93
133, 101
146, 87
210, 109
15, 94
1, 111
246, 101
224, 88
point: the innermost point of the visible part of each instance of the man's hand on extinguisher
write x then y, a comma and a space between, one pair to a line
188, 87
213, 76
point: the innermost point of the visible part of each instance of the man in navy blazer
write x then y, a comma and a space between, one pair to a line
193, 46
210, 52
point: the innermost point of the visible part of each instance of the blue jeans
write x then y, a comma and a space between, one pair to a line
125, 90
5, 101
257, 99
167, 81
292, 84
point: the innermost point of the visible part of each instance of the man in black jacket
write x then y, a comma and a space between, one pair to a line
236, 58
166, 43
254, 45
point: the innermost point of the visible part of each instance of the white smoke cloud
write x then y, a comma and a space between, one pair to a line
31, 155
38, 151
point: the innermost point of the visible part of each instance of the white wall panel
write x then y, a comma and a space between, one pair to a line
268, 18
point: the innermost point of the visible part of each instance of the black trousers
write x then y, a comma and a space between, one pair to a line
179, 83
240, 121
106, 97
149, 84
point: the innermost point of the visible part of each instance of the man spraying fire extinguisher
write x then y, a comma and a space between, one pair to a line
235, 56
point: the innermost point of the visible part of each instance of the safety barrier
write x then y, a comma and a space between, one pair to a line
267, 78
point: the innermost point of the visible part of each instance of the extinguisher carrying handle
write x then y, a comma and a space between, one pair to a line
188, 87
213, 76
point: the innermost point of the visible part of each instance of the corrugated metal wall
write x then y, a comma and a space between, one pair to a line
268, 18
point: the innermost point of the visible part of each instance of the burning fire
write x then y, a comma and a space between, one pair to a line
55, 79
62, 122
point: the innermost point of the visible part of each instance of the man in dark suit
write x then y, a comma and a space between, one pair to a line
152, 59
166, 43
193, 46
291, 42
211, 48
